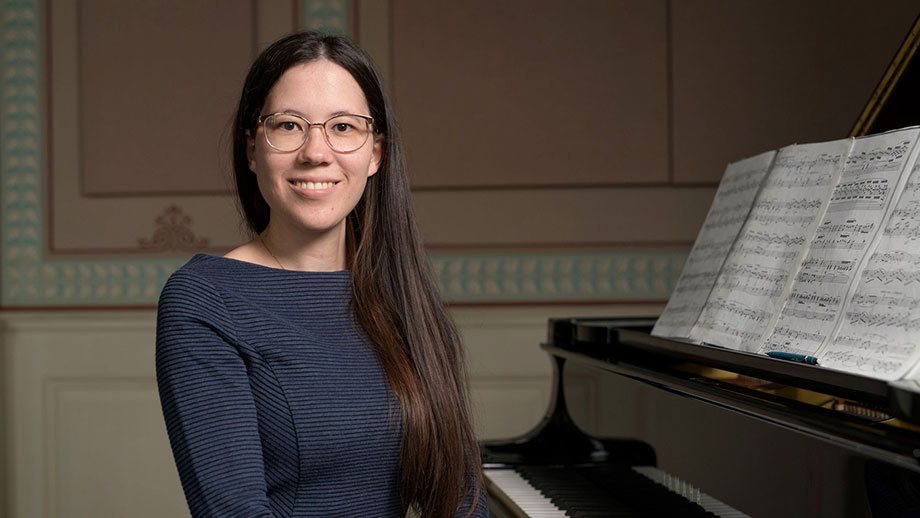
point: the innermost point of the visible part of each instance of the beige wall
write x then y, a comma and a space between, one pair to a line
531, 125
594, 124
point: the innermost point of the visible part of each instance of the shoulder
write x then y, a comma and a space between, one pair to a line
193, 289
191, 309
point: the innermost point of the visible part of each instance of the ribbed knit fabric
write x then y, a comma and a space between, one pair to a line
273, 403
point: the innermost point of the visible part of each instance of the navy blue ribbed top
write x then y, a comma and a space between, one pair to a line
274, 404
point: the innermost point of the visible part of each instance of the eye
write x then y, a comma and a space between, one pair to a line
342, 127
288, 126
284, 124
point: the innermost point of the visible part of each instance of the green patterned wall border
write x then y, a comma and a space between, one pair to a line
29, 279
557, 277
330, 16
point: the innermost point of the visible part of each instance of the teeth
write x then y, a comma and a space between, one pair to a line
314, 185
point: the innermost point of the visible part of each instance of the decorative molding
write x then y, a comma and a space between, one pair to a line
173, 233
30, 278
329, 16
557, 276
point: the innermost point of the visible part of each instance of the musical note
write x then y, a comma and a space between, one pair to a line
808, 314
819, 299
861, 363
733, 200
788, 339
878, 159
872, 193
894, 301
878, 343
774, 205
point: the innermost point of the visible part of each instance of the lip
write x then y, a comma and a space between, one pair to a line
296, 183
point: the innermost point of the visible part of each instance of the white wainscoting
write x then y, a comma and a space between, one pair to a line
84, 436
84, 433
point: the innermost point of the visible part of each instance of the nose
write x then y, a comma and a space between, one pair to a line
315, 150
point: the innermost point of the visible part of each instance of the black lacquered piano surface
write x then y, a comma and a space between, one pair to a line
878, 420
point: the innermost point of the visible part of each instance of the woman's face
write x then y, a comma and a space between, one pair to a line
313, 188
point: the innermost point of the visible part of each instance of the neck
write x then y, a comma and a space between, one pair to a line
305, 251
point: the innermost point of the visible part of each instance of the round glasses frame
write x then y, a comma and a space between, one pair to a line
369, 123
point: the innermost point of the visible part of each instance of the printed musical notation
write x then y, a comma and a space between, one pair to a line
878, 159
772, 238
740, 310
779, 205
754, 279
758, 270
807, 314
728, 329
901, 276
792, 163
814, 298
802, 220
757, 250
905, 221
892, 257
903, 321
791, 182
851, 226
875, 342
850, 234
850, 361
827, 277
789, 339
864, 193
697, 281
741, 187
908, 212
843, 242
730, 208
878, 332
895, 300
824, 261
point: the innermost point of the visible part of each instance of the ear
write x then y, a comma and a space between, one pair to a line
250, 151
376, 157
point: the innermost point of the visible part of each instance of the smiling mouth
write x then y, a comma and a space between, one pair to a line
313, 186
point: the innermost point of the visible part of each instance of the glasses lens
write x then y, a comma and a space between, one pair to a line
347, 132
285, 132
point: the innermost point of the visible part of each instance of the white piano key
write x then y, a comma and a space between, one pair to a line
533, 504
522, 493
705, 501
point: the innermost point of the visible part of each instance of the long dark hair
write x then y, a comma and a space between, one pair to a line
394, 297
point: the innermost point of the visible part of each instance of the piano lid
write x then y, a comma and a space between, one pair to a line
894, 103
851, 411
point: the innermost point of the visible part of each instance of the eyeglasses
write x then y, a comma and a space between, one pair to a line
344, 133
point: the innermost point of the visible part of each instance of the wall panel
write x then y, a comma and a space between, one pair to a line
84, 434
512, 93
753, 76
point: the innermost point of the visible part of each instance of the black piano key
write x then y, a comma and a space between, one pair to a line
607, 491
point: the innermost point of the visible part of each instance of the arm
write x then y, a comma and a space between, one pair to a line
480, 511
207, 403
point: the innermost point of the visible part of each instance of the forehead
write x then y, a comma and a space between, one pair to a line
316, 89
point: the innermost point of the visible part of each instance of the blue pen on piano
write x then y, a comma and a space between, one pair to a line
801, 358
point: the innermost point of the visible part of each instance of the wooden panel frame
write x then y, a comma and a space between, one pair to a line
902, 75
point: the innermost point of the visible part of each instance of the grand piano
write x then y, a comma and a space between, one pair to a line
558, 470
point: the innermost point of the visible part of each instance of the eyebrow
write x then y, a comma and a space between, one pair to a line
330, 116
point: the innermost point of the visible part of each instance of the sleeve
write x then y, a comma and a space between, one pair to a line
207, 403
481, 510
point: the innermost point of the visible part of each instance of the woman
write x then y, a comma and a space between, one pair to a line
313, 371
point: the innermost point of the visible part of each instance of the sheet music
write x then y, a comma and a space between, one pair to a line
730, 207
757, 274
880, 323
872, 175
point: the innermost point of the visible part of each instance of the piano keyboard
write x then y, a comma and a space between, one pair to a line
597, 491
